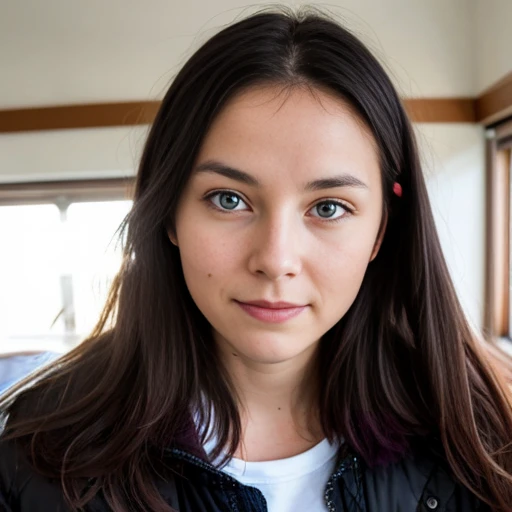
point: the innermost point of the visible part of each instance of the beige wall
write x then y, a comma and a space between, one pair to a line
59, 51
493, 41
70, 154
453, 161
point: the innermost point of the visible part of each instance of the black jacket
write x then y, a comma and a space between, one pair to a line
420, 482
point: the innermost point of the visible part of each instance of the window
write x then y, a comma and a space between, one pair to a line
29, 269
92, 258
498, 304
57, 260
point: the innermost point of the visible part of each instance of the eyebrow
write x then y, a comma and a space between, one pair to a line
343, 180
228, 172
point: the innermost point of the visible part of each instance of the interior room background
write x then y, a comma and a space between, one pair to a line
65, 175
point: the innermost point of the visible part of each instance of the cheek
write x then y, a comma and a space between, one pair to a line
341, 269
207, 257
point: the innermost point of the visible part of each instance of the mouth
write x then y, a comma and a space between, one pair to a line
271, 312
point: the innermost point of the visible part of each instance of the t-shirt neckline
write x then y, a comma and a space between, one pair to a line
283, 469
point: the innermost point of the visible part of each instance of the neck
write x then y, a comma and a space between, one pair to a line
277, 405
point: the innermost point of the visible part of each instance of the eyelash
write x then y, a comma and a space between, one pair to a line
348, 211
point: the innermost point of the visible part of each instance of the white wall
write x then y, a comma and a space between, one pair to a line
492, 20
70, 154
453, 162
62, 51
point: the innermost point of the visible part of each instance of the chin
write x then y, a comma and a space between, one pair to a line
268, 359
271, 351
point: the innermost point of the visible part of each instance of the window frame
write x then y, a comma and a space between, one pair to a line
70, 191
497, 300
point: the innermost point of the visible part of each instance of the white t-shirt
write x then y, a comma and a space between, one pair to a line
295, 483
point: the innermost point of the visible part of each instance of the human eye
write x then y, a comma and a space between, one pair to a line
226, 201
330, 210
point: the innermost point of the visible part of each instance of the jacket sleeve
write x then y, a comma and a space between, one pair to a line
7, 473
4, 506
21, 488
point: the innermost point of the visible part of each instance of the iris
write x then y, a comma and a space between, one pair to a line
326, 209
229, 201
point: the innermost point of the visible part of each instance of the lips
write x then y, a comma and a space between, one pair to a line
272, 305
271, 312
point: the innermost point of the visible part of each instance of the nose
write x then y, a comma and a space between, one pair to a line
276, 248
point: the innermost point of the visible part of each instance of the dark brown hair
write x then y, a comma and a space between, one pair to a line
401, 365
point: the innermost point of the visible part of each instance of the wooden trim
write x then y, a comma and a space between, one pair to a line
78, 116
441, 110
495, 103
101, 115
503, 130
489, 307
68, 191
497, 257
491, 106
502, 243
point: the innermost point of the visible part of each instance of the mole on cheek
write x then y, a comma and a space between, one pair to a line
209, 275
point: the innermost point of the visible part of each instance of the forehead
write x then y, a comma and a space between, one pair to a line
292, 133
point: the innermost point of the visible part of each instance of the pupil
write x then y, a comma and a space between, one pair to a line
229, 201
327, 209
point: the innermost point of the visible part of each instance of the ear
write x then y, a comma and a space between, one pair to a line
380, 236
172, 236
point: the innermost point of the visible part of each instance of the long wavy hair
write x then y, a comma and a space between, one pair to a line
402, 364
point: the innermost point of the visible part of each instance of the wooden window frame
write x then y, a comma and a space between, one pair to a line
497, 303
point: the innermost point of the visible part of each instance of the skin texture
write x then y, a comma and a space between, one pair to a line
276, 246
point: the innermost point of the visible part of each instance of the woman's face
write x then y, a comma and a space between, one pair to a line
279, 221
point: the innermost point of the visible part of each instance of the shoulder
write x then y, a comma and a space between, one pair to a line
21, 488
13, 367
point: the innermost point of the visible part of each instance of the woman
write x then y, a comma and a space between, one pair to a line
283, 333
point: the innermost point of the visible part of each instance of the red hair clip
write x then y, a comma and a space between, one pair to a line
397, 189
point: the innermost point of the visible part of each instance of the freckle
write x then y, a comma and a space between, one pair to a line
279, 408
209, 275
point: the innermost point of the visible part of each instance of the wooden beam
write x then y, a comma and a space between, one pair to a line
67, 117
100, 115
441, 110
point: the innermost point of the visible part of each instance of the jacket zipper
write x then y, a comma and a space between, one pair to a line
345, 465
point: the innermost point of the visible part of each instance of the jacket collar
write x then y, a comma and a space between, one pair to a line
427, 475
